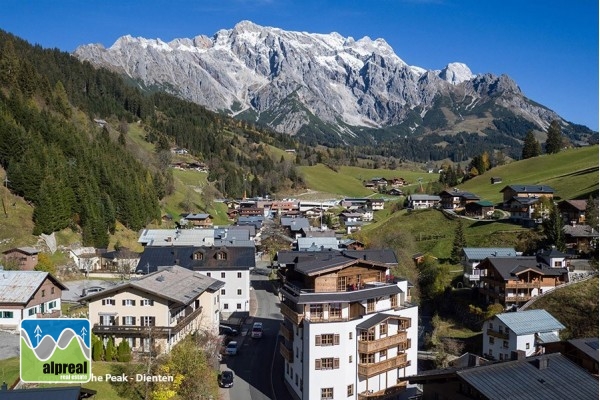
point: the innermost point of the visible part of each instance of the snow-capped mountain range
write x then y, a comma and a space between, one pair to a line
299, 82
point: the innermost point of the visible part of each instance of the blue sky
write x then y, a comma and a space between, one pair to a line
550, 48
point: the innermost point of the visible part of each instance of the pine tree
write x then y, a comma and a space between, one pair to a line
591, 212
554, 139
531, 147
553, 228
110, 353
459, 242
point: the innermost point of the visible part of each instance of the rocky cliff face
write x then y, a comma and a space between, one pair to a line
297, 82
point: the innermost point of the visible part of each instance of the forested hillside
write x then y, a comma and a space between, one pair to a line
79, 173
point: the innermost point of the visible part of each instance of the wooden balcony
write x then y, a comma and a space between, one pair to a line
381, 344
138, 330
387, 393
369, 370
290, 314
287, 354
523, 285
285, 332
496, 334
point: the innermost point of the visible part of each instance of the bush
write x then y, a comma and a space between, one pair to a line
110, 354
97, 348
123, 351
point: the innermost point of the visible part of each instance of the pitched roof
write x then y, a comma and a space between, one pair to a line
577, 204
423, 197
317, 243
19, 286
236, 258
510, 267
309, 263
580, 231
25, 250
175, 283
480, 253
530, 321
528, 379
587, 345
460, 193
375, 320
369, 292
518, 188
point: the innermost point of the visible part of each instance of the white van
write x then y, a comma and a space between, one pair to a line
257, 330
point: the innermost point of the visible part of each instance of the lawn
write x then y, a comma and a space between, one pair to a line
9, 370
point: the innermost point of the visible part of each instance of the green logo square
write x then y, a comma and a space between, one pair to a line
56, 350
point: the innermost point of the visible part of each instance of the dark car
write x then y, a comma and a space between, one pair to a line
226, 379
227, 330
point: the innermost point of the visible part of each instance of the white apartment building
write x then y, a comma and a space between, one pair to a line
527, 331
348, 332
158, 310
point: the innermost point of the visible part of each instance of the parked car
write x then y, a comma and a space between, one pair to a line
231, 348
226, 379
90, 290
227, 330
257, 330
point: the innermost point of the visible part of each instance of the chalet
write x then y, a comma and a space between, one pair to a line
353, 226
521, 208
529, 191
294, 226
547, 376
347, 216
527, 331
251, 212
472, 256
155, 312
122, 260
479, 209
27, 295
87, 259
375, 204
456, 199
420, 201
397, 182
395, 192
512, 281
230, 265
580, 237
351, 244
283, 207
339, 306
25, 258
573, 211
256, 220
353, 202
197, 220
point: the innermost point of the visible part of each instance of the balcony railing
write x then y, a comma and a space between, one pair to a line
381, 344
499, 335
287, 354
369, 370
145, 330
385, 394
290, 314
49, 314
523, 285
285, 332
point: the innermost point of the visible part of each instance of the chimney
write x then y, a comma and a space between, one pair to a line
517, 355
473, 360
542, 363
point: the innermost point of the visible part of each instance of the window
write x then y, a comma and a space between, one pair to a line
147, 302
327, 394
383, 353
491, 326
328, 339
370, 305
367, 358
225, 306
223, 292
131, 341
31, 311
383, 329
366, 336
327, 363
221, 255
316, 311
501, 357
239, 292
342, 284
108, 302
43, 292
350, 335
6, 314
350, 390
491, 340
239, 306
198, 255
223, 275
505, 344
129, 302
526, 346
148, 321
51, 305
128, 320
335, 310
52, 290
239, 274
350, 359
394, 300
296, 380
506, 330
208, 274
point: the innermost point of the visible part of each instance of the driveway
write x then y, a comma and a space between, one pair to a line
9, 344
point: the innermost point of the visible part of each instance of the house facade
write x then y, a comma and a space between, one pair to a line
348, 331
527, 331
573, 211
472, 256
26, 258
421, 201
456, 199
530, 191
155, 312
28, 295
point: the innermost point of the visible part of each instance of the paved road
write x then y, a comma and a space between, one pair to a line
258, 368
9, 344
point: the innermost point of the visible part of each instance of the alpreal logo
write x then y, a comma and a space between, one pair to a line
56, 350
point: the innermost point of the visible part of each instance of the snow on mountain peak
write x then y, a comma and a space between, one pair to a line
456, 73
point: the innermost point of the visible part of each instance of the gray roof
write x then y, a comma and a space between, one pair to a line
424, 197
374, 320
232, 232
295, 224
530, 321
177, 237
580, 231
529, 188
19, 286
26, 250
174, 283
509, 267
317, 243
346, 297
525, 380
587, 345
481, 253
308, 263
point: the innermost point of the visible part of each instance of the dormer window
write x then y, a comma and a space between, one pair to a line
221, 255
198, 255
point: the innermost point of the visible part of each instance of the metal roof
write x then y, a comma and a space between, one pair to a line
313, 262
550, 376
19, 286
375, 320
174, 283
318, 243
510, 267
587, 345
530, 321
423, 197
548, 337
481, 253
529, 188
177, 237
350, 296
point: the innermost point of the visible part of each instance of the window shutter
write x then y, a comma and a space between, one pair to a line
133, 320
336, 363
123, 319
336, 339
317, 340
133, 302
318, 363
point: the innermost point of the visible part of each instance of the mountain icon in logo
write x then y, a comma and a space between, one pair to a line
55, 350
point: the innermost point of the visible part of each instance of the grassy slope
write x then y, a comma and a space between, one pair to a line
576, 307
